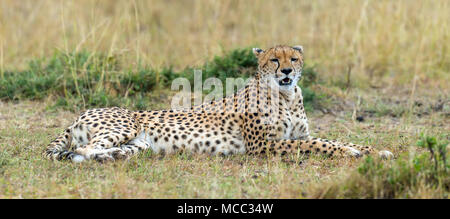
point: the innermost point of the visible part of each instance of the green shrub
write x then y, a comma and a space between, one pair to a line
438, 151
84, 79
376, 178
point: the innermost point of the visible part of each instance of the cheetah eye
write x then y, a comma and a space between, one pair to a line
274, 60
294, 59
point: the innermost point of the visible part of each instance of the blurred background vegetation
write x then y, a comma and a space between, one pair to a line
94, 53
382, 43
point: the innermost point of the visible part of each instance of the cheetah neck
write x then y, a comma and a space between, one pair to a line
285, 95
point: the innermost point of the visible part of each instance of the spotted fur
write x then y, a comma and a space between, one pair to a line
265, 117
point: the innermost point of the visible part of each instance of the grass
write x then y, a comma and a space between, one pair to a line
386, 42
28, 127
83, 80
409, 176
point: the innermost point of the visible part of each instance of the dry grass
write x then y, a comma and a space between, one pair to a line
397, 39
28, 126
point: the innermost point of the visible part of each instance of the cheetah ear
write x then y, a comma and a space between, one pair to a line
257, 51
298, 48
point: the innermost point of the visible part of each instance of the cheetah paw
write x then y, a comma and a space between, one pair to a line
78, 158
386, 154
103, 158
119, 154
352, 152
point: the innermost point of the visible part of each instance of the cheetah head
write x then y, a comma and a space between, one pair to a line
281, 64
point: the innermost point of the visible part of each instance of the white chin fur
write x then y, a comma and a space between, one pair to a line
285, 88
78, 158
290, 87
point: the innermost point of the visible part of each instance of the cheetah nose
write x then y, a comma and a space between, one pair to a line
286, 70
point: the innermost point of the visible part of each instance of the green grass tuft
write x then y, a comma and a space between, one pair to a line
400, 178
83, 80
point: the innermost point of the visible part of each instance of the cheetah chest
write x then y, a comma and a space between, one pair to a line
289, 126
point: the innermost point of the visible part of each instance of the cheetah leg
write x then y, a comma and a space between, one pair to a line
97, 153
140, 143
283, 147
107, 146
58, 149
326, 147
321, 146
365, 149
114, 146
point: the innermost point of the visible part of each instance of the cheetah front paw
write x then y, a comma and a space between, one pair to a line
78, 158
119, 154
386, 154
103, 158
352, 152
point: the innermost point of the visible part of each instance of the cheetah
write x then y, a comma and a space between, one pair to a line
266, 116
